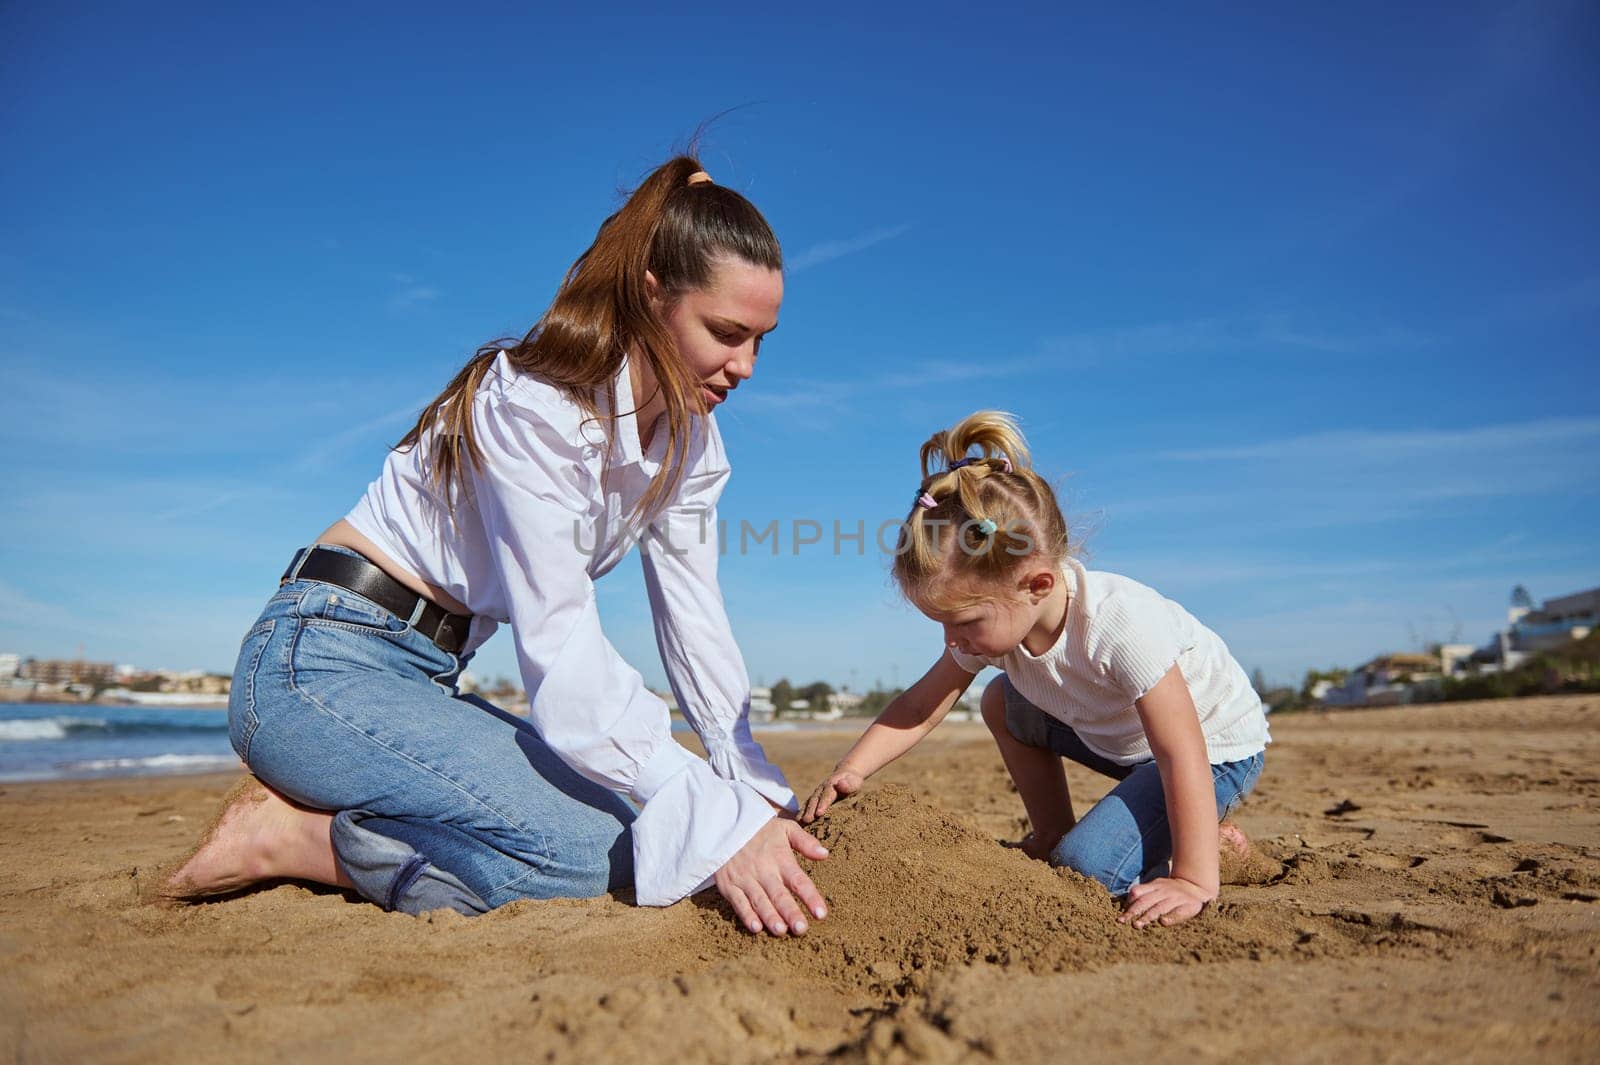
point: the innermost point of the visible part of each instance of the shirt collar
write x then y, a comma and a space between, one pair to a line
625, 447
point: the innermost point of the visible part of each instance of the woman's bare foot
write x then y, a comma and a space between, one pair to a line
257, 835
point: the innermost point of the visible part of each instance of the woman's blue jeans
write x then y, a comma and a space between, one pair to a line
1125, 838
441, 800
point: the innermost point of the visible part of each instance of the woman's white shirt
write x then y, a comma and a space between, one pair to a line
541, 519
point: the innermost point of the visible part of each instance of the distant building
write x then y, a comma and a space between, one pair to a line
9, 665
846, 701
66, 671
1530, 630
194, 682
1558, 622
1387, 680
1453, 657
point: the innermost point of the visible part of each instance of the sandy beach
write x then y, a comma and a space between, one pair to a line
1427, 892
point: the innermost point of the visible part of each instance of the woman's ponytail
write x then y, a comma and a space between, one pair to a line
672, 229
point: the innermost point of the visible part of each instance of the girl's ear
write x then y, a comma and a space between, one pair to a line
1040, 584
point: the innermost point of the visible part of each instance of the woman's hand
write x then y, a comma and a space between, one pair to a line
761, 881
840, 782
1167, 899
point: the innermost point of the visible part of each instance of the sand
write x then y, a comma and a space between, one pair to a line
1426, 890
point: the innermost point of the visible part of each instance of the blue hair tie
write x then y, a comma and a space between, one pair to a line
986, 527
1005, 463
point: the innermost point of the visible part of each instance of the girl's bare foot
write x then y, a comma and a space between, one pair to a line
257, 835
1033, 845
1232, 840
1240, 862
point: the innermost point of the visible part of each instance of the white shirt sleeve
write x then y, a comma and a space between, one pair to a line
1140, 644
702, 660
588, 704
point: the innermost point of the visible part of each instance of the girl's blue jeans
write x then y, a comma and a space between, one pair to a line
441, 800
1125, 838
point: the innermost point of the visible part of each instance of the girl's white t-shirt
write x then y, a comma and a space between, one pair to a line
1119, 639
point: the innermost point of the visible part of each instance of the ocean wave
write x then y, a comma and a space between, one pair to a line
60, 728
157, 761
44, 728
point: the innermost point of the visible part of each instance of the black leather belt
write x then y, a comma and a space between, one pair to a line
448, 631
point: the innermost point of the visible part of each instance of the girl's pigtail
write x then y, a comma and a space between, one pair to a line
989, 511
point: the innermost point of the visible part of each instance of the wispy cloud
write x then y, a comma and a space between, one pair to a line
1372, 617
411, 294
212, 501
1272, 332
829, 250
1302, 488
1398, 444
1513, 551
317, 455
1093, 347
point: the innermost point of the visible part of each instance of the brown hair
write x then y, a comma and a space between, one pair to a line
676, 231
998, 485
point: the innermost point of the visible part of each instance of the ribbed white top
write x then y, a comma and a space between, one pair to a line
1120, 638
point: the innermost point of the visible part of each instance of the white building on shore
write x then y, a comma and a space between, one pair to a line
1530, 630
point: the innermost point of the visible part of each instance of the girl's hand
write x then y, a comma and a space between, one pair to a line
762, 879
1167, 899
840, 782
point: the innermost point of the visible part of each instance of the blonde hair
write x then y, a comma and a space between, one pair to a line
952, 541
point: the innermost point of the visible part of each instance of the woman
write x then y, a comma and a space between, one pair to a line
529, 476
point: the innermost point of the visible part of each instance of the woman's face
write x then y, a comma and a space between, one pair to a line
718, 329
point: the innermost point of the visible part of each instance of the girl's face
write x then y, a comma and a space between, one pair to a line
990, 627
718, 329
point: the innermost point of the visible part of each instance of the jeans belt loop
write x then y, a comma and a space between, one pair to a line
416, 612
299, 560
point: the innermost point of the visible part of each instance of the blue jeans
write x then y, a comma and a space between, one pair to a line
1125, 838
441, 800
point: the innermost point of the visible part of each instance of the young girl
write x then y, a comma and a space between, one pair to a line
1098, 668
529, 477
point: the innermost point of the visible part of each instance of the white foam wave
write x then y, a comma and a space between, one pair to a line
159, 761
43, 728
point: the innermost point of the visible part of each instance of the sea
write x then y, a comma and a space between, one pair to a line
54, 741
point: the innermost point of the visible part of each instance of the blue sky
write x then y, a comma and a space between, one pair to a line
1300, 309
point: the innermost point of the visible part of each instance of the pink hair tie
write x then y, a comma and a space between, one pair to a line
1005, 465
927, 502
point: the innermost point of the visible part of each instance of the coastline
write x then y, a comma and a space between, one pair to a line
51, 741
